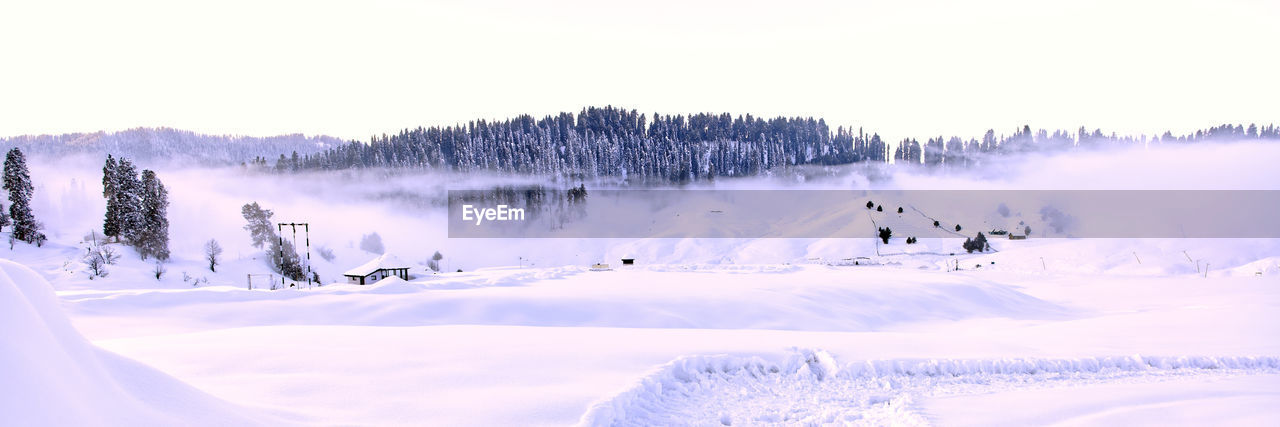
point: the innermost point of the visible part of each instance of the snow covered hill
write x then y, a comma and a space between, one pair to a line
170, 146
52, 376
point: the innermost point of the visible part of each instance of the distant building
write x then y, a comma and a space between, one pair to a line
1017, 236
628, 261
384, 266
599, 267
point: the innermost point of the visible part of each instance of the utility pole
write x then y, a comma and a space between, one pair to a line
306, 229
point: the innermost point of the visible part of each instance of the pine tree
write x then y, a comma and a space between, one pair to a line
4, 217
18, 181
153, 235
285, 260
110, 184
259, 226
124, 216
283, 257
109, 177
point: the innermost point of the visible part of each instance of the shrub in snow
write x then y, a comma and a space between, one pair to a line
109, 254
159, 270
96, 264
97, 257
372, 243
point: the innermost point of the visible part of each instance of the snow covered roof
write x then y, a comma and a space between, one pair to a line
384, 261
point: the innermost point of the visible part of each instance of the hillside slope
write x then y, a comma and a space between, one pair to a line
53, 376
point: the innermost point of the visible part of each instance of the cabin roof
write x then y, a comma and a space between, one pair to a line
382, 262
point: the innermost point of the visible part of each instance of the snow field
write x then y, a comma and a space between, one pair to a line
737, 297
1043, 323
53, 376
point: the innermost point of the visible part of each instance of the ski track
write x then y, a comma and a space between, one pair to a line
808, 387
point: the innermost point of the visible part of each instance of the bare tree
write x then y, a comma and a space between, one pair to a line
96, 262
212, 250
97, 257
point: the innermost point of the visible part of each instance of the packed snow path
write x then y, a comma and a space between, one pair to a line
809, 387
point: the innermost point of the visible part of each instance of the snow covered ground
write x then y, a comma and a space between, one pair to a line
702, 331
54, 377
743, 343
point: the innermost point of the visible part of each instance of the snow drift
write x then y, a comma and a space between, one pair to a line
53, 376
809, 386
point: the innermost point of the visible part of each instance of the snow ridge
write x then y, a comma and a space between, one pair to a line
53, 376
809, 386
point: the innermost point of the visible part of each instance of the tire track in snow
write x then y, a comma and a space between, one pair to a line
809, 387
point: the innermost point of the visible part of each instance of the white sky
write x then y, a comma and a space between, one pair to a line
903, 68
